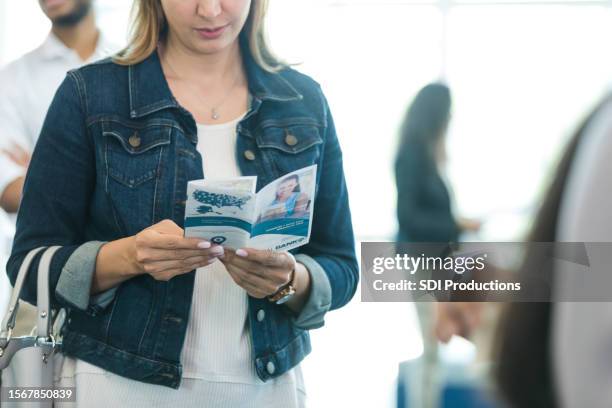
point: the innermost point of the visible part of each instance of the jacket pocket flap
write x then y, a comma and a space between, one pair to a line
290, 139
137, 140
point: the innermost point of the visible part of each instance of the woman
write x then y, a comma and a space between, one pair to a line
289, 200
424, 212
424, 207
195, 94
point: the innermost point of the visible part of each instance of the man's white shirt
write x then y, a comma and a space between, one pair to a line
28, 86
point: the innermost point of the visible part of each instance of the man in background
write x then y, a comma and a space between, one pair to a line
28, 85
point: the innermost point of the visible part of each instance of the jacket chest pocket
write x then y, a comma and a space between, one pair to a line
134, 159
290, 148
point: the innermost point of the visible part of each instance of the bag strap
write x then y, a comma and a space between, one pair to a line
8, 323
44, 339
42, 295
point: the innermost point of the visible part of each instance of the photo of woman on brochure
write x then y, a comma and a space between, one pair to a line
289, 201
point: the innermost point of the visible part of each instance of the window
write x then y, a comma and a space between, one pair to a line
521, 81
523, 74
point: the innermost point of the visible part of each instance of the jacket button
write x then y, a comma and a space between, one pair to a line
290, 139
249, 155
270, 367
261, 314
134, 140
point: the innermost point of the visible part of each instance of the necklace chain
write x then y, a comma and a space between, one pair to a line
214, 110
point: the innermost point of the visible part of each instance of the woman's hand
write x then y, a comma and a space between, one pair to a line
160, 251
18, 155
260, 272
457, 318
163, 252
469, 225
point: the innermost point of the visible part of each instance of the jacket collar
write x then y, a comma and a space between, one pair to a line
149, 91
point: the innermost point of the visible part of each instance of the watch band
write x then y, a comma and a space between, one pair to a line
285, 292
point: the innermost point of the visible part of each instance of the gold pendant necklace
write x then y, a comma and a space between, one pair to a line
214, 111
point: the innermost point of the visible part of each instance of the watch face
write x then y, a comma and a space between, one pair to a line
284, 299
290, 292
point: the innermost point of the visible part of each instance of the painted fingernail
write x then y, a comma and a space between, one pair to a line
204, 244
242, 253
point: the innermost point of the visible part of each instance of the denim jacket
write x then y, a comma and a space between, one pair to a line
114, 157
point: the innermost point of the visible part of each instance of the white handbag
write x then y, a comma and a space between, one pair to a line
26, 361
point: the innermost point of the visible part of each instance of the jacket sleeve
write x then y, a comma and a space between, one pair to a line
330, 254
55, 204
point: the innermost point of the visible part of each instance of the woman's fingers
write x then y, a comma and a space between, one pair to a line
255, 285
266, 257
459, 318
186, 264
146, 255
167, 227
154, 255
272, 265
167, 235
162, 251
155, 239
18, 155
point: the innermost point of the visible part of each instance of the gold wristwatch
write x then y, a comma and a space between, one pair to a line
285, 292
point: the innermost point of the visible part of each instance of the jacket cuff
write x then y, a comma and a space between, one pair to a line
74, 283
319, 299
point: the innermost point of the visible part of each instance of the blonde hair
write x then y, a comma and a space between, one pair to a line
148, 25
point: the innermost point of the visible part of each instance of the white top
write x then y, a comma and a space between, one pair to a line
28, 85
218, 324
218, 368
582, 332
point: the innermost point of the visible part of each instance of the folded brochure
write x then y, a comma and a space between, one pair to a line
229, 212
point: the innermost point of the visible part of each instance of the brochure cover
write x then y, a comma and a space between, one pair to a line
228, 212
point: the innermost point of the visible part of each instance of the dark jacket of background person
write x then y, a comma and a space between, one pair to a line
423, 200
114, 157
524, 344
